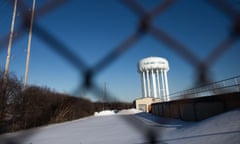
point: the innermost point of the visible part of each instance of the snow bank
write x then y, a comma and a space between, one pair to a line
104, 113
129, 111
121, 112
223, 128
226, 122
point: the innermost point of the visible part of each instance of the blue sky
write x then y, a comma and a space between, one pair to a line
91, 29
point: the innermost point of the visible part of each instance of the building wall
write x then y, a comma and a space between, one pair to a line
144, 104
197, 108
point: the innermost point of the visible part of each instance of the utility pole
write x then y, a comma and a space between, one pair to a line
29, 45
5, 76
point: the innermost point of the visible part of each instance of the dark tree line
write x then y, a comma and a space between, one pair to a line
38, 106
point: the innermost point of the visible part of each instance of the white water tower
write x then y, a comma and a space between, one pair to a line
153, 72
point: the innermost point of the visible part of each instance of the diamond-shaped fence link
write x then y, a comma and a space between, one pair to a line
144, 27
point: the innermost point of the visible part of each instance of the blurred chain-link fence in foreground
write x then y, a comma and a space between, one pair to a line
145, 27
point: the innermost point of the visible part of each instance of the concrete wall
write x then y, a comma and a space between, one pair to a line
197, 108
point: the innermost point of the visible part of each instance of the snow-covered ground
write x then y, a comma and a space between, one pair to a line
132, 126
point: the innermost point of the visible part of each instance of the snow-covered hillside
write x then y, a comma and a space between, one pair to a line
132, 126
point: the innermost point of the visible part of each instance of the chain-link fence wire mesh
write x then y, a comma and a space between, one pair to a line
145, 27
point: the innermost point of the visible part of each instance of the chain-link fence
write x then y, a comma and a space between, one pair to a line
149, 19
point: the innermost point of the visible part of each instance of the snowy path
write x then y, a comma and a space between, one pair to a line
129, 127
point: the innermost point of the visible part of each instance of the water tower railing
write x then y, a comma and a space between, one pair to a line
220, 87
